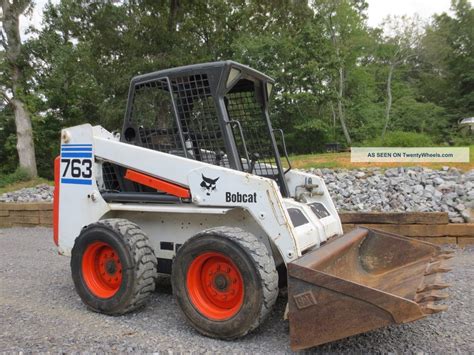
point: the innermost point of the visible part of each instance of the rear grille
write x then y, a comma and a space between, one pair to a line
109, 177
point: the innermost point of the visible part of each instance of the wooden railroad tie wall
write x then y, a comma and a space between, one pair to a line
433, 227
430, 226
26, 214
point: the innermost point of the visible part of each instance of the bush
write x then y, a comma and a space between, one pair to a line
307, 138
462, 141
401, 139
20, 174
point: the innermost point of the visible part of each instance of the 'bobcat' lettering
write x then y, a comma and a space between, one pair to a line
238, 197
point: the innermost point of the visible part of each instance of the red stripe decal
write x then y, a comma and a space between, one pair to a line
157, 184
57, 172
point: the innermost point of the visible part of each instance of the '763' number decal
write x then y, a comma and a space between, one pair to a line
77, 168
76, 164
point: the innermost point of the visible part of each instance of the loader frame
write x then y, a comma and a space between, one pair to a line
197, 165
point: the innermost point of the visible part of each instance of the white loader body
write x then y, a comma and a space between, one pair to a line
240, 199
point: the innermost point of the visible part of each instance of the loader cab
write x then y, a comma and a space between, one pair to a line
216, 113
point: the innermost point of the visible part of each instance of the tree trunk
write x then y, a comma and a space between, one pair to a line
24, 133
340, 92
174, 5
340, 108
388, 107
333, 122
24, 138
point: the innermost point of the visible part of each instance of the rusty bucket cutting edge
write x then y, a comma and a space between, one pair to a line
363, 280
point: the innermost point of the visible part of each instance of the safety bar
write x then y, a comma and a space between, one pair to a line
235, 122
283, 143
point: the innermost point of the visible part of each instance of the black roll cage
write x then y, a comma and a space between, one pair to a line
218, 80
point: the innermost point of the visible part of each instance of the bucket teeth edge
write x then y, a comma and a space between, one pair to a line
431, 296
436, 267
431, 308
434, 286
427, 293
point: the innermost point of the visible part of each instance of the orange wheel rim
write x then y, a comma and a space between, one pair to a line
102, 269
215, 286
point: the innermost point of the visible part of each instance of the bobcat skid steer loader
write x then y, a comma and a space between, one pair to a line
194, 187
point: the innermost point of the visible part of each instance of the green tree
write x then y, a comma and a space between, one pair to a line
337, 79
400, 44
347, 31
448, 60
13, 89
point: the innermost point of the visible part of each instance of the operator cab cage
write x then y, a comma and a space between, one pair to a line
216, 113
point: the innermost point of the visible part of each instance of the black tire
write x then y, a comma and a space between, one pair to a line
137, 265
259, 276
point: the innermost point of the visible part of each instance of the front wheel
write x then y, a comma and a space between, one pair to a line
225, 282
113, 266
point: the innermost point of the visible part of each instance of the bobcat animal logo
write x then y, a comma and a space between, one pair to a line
208, 184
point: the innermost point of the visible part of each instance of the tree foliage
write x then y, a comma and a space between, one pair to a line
335, 75
13, 86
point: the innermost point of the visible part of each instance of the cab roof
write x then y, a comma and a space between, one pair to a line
219, 68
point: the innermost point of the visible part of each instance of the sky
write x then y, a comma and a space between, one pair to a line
378, 10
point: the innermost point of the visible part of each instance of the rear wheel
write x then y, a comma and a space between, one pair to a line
102, 269
225, 282
113, 266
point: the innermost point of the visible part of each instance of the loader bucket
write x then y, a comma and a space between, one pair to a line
363, 280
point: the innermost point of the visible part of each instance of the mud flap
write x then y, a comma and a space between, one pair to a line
363, 280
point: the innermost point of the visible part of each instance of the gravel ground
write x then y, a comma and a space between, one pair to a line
40, 311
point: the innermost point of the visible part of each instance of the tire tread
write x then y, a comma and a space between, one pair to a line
262, 260
144, 260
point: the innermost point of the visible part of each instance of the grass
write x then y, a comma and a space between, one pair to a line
343, 160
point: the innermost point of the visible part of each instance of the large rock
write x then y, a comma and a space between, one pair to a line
40, 193
403, 189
